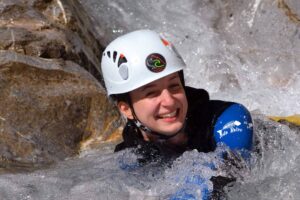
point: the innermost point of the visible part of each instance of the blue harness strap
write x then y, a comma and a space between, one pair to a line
234, 128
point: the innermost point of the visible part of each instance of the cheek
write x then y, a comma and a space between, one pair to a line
144, 109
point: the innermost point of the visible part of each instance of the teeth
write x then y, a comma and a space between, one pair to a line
172, 114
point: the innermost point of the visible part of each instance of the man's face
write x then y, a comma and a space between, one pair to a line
161, 105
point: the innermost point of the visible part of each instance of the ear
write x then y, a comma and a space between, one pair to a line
125, 109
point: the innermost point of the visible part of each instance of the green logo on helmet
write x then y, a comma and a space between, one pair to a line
156, 62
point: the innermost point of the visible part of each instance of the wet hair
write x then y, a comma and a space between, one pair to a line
125, 97
181, 76
120, 97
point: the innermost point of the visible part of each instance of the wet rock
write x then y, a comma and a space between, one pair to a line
52, 102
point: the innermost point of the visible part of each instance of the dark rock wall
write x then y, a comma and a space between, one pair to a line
52, 101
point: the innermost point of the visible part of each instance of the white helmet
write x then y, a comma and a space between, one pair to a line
136, 59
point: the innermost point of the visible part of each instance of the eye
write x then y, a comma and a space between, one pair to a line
152, 93
175, 87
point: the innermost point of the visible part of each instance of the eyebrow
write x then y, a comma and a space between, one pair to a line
173, 77
147, 86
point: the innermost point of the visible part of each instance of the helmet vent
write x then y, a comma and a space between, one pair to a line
123, 67
123, 71
122, 59
108, 54
115, 56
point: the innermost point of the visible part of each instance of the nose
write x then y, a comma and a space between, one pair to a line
167, 98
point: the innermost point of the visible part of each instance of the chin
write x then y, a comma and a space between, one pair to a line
172, 130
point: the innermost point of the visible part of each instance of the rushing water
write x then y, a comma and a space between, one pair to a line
272, 173
244, 51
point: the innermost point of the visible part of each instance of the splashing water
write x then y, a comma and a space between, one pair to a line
102, 174
275, 173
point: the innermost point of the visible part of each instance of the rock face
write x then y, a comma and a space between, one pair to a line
51, 97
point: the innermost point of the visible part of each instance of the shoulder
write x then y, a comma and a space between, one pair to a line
207, 117
201, 119
234, 127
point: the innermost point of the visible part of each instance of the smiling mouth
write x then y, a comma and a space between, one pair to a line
169, 115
